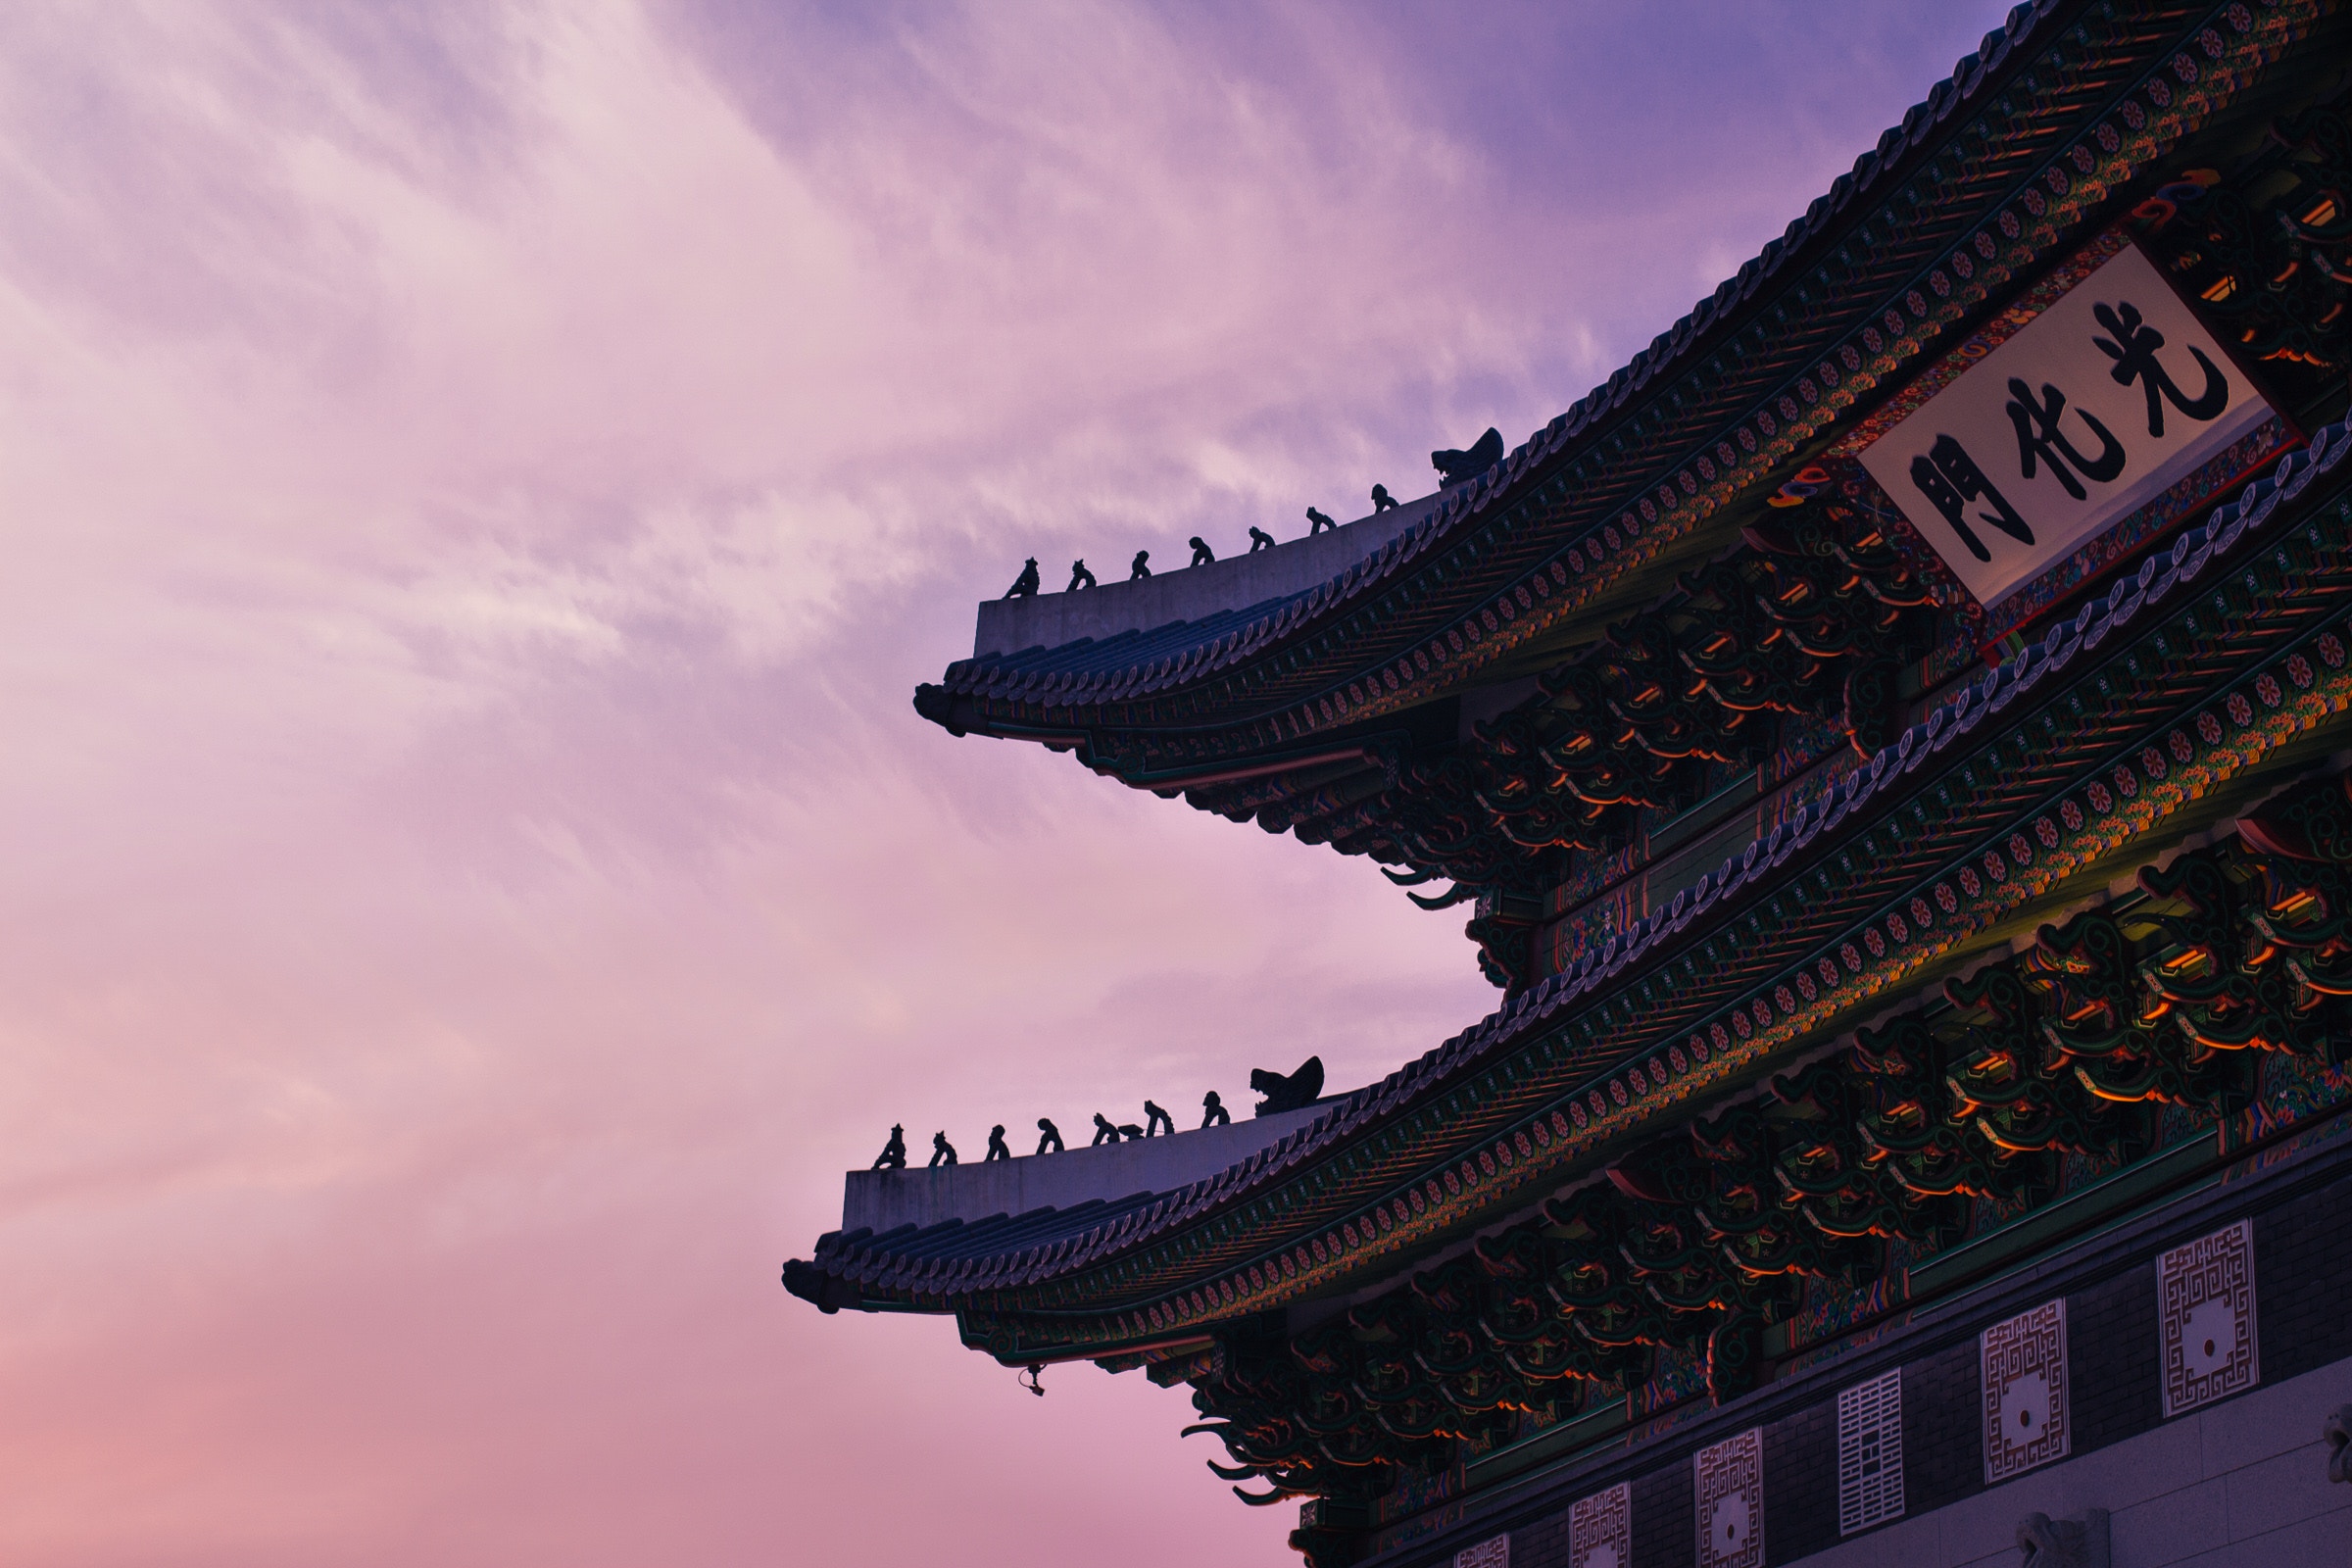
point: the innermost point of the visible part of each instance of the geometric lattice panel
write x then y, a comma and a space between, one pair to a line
1601, 1529
2026, 1402
2205, 1301
1870, 1453
1494, 1553
1731, 1501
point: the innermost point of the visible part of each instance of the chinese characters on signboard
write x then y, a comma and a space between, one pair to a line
2091, 410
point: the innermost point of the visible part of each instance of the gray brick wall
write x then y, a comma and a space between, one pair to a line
2212, 1480
1665, 1534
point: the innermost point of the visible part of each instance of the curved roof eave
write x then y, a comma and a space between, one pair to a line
1603, 492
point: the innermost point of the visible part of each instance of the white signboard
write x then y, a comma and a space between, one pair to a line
2092, 409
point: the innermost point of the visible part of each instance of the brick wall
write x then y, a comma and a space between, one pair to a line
2302, 1273
1665, 1522
2303, 1276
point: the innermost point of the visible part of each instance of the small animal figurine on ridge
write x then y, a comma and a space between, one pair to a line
1048, 1136
1259, 539
1080, 577
894, 1153
1454, 464
1140, 567
1157, 1120
1382, 501
943, 1153
995, 1144
1316, 522
1202, 556
1300, 1088
1105, 1131
1025, 584
1214, 1113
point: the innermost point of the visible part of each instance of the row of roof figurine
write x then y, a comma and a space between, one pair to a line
1281, 1092
1155, 1120
1454, 466
1139, 567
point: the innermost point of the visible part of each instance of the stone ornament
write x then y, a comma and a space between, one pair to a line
2205, 1297
1731, 1501
2047, 1543
2338, 1431
2026, 1405
1601, 1529
1494, 1553
1294, 1092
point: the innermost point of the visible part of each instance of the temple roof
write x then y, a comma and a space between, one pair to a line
2009, 161
1691, 999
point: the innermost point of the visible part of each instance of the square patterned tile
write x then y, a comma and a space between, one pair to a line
2026, 1405
1730, 1479
2205, 1300
1601, 1529
1494, 1553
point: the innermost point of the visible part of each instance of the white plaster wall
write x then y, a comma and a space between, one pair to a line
2239, 1484
1177, 592
882, 1200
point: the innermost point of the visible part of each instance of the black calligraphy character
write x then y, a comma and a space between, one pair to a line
1950, 479
2038, 436
2133, 351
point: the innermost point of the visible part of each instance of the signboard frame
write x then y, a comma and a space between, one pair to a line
1994, 631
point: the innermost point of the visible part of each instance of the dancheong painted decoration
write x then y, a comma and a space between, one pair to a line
1889, 743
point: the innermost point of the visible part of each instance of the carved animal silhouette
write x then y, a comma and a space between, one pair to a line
1282, 1093
1456, 465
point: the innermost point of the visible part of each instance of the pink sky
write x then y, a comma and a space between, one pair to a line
480, 484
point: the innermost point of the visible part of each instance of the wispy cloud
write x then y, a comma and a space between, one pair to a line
481, 483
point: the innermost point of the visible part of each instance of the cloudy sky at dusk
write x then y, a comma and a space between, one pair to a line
480, 483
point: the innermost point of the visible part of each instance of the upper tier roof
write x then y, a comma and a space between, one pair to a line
2010, 162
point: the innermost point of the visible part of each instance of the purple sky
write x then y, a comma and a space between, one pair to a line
480, 484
